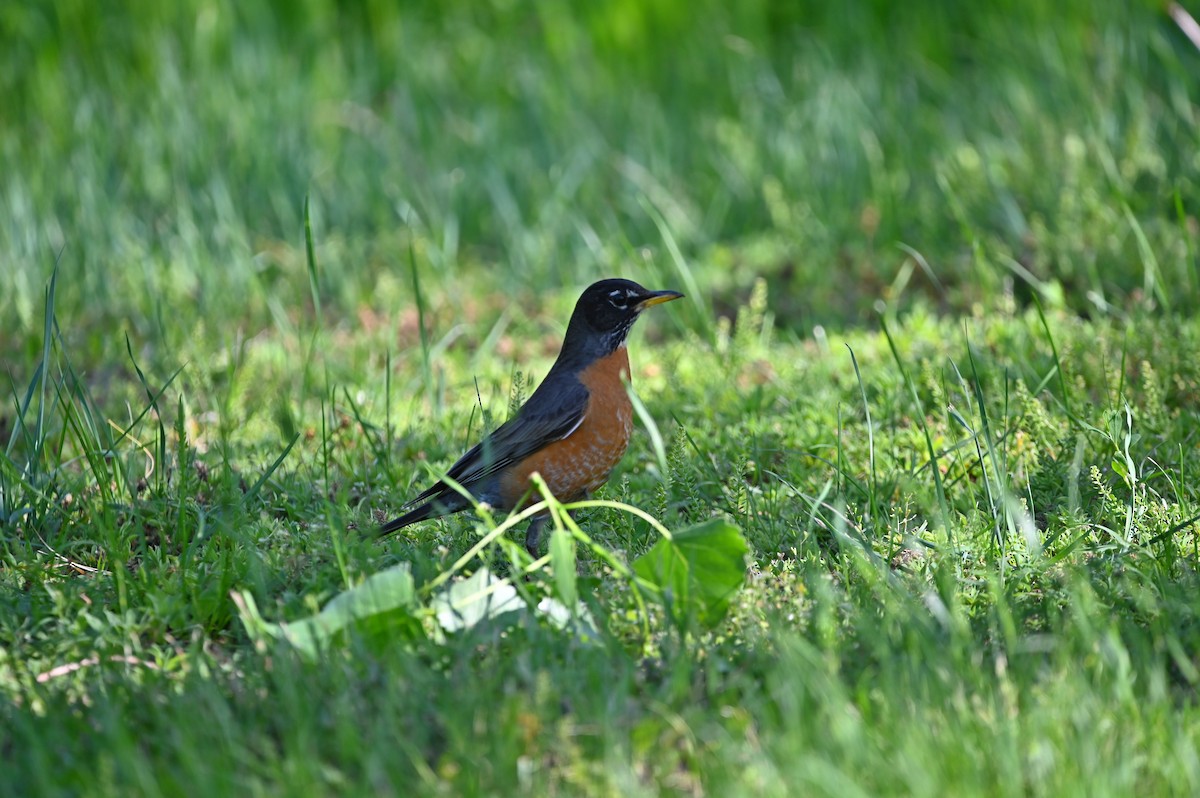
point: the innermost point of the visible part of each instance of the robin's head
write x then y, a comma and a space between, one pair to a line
607, 310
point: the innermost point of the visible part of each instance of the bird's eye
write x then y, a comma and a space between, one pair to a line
619, 299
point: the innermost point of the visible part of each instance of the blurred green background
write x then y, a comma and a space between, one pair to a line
937, 152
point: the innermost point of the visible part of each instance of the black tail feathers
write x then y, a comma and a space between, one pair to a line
427, 510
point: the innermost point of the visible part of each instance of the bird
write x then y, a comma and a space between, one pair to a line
573, 430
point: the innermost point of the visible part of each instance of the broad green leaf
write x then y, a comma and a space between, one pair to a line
579, 622
485, 597
480, 597
380, 609
696, 572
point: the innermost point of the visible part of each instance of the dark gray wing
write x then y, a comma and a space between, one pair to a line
553, 412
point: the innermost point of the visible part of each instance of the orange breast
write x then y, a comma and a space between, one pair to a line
581, 462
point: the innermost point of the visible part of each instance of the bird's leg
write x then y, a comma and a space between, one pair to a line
533, 536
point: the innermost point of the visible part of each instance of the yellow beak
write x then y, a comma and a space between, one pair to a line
657, 298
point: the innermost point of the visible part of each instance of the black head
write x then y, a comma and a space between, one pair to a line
605, 313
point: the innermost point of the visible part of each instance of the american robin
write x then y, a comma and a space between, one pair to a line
573, 430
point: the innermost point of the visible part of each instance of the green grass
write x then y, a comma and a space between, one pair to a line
939, 363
